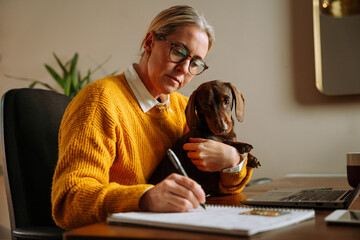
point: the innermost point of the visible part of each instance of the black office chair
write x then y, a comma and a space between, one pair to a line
29, 125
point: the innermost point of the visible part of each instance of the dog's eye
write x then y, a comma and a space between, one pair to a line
206, 106
226, 101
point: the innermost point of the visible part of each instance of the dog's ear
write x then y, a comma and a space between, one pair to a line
239, 103
190, 112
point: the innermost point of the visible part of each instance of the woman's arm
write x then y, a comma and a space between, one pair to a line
210, 155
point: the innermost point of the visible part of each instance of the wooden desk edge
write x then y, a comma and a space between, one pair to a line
103, 230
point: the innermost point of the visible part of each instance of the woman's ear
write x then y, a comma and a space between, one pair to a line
149, 42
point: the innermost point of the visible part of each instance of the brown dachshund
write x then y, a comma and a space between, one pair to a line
209, 115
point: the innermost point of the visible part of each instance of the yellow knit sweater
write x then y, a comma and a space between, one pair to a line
108, 148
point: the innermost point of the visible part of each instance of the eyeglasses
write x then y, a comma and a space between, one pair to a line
179, 54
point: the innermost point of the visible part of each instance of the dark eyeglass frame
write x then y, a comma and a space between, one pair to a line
192, 59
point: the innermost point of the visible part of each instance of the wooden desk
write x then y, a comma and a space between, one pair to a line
310, 229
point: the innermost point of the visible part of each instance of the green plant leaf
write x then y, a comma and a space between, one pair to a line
32, 85
65, 72
33, 82
72, 73
67, 85
78, 86
113, 73
100, 65
20, 78
67, 64
54, 74
71, 82
86, 79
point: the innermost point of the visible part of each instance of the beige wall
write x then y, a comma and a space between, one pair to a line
264, 47
4, 213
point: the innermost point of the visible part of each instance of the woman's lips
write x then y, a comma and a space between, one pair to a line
175, 79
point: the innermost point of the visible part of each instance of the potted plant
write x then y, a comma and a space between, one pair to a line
71, 80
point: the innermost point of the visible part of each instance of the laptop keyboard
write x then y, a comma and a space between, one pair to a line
315, 195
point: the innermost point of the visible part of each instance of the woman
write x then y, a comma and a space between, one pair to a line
117, 130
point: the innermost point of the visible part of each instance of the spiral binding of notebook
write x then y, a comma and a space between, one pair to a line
260, 207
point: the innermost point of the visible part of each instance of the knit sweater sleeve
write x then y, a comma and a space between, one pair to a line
231, 183
82, 192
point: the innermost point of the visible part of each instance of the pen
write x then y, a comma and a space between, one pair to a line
179, 167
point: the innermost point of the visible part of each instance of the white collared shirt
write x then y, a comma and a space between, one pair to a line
147, 102
144, 98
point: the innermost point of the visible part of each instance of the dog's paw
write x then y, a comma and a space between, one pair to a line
242, 147
253, 162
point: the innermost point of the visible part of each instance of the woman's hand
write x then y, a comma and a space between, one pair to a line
210, 156
175, 193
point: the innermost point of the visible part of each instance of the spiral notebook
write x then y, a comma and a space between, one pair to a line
233, 220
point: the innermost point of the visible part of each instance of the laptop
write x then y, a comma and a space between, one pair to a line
305, 198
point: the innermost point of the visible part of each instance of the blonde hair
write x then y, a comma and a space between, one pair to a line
169, 19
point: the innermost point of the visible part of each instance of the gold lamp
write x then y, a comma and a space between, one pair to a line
340, 8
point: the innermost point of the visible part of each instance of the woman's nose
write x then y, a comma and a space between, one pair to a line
184, 65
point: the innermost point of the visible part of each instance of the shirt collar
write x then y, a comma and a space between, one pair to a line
144, 98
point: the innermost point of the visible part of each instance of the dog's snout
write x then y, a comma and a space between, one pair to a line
221, 128
224, 127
